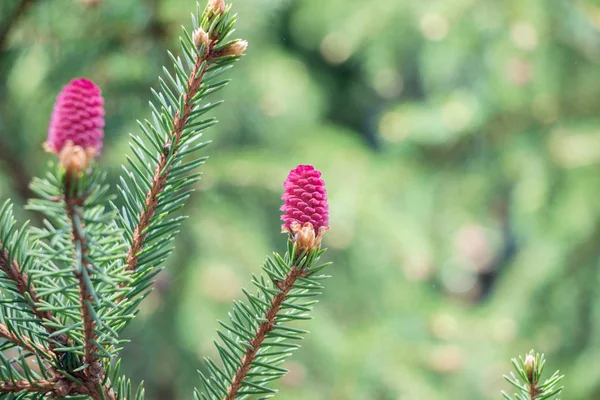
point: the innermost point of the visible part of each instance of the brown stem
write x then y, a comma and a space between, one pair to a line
160, 177
80, 261
262, 331
40, 386
21, 341
13, 271
533, 391
12, 19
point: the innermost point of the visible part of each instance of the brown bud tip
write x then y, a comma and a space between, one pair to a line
216, 6
201, 38
76, 158
236, 49
305, 236
530, 366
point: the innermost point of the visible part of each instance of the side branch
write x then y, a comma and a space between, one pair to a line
263, 330
13, 271
41, 386
160, 176
22, 342
12, 19
25, 287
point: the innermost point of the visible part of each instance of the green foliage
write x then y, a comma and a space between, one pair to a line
169, 146
71, 292
527, 381
61, 261
441, 155
16, 314
266, 316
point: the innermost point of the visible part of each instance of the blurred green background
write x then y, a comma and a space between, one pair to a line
460, 142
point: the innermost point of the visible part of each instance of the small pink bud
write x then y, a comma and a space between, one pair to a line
306, 212
77, 124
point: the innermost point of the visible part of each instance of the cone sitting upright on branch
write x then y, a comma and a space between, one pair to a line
77, 125
306, 212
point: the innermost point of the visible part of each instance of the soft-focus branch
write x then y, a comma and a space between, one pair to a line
16, 170
12, 19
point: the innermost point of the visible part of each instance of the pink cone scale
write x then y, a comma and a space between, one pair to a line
305, 209
77, 124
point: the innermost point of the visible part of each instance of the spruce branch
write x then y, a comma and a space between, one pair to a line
22, 6
527, 379
81, 267
14, 271
159, 178
258, 339
23, 386
81, 277
270, 319
205, 53
91, 269
13, 261
23, 342
161, 174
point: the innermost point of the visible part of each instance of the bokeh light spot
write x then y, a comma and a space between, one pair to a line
434, 26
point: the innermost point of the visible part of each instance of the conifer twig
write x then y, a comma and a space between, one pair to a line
94, 373
12, 19
25, 287
22, 342
261, 334
14, 272
81, 267
39, 386
527, 379
160, 175
257, 338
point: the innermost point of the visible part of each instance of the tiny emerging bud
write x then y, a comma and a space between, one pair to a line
530, 366
306, 212
216, 6
77, 125
75, 158
236, 49
201, 38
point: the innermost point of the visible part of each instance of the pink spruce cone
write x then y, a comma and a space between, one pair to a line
306, 212
77, 125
